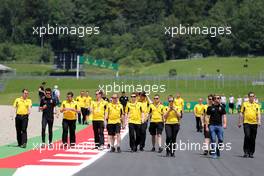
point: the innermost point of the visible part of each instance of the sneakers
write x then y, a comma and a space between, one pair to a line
24, 145
118, 150
112, 149
141, 149
160, 150
153, 149
205, 152
108, 146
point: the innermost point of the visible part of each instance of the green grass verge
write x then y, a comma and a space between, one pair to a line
190, 90
7, 172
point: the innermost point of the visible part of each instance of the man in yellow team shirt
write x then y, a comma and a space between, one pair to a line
88, 105
198, 113
22, 109
82, 102
135, 117
144, 125
205, 120
179, 103
114, 117
70, 109
156, 122
172, 118
251, 118
98, 108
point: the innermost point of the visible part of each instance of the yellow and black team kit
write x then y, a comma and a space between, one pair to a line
172, 127
156, 119
144, 125
199, 112
69, 120
179, 103
98, 114
82, 102
134, 114
22, 107
251, 112
206, 121
114, 112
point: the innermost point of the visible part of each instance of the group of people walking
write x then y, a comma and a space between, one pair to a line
139, 113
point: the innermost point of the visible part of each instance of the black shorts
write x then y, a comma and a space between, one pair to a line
156, 128
113, 129
206, 133
231, 105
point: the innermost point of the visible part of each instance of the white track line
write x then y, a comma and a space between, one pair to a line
62, 161
74, 155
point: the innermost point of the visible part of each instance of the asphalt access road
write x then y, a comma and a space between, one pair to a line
186, 163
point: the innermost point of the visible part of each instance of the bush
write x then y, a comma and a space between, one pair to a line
172, 72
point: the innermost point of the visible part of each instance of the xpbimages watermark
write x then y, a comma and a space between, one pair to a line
148, 88
79, 31
178, 146
211, 31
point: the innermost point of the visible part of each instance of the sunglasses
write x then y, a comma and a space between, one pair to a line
218, 98
170, 100
48, 93
156, 98
133, 96
114, 97
210, 99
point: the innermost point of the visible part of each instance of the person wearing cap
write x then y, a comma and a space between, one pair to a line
198, 113
70, 109
156, 126
22, 109
134, 117
98, 109
172, 118
179, 103
250, 116
114, 116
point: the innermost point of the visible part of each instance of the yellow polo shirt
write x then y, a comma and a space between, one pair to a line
172, 116
156, 113
179, 103
98, 109
70, 115
81, 101
250, 112
88, 101
199, 110
115, 112
134, 111
22, 106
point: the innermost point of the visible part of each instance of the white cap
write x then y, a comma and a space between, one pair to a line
56, 87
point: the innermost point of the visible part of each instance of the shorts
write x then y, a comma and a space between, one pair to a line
231, 105
238, 108
206, 133
113, 129
156, 128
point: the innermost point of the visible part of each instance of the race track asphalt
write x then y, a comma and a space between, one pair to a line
186, 163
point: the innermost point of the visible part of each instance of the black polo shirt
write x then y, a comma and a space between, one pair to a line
123, 100
216, 113
51, 103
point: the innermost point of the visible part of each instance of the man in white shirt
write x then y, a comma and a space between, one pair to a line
231, 104
239, 103
223, 100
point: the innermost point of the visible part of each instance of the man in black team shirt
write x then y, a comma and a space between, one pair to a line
123, 100
47, 105
217, 122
